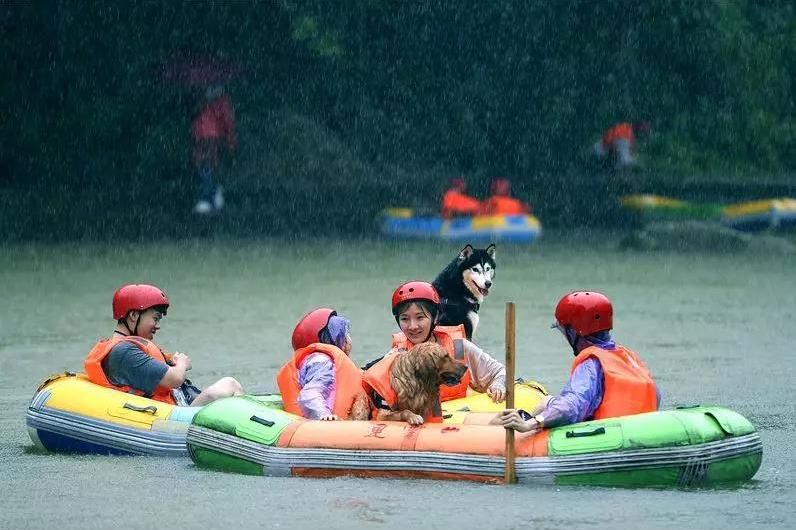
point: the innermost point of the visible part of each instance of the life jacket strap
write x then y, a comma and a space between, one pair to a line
458, 349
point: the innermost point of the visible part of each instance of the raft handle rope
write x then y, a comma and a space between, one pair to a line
581, 434
257, 419
151, 409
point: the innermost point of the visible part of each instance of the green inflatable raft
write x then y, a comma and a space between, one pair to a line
688, 447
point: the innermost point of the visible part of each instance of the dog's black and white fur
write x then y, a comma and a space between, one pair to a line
462, 286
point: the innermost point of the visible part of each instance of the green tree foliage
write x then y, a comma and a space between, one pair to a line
521, 88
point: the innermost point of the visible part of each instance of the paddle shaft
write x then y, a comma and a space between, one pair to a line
509, 476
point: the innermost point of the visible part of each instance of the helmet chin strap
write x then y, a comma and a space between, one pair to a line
134, 331
572, 339
576, 342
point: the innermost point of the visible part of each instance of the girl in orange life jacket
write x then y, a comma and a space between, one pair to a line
131, 362
607, 380
416, 308
321, 382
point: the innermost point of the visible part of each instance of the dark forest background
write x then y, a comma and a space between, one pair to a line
349, 107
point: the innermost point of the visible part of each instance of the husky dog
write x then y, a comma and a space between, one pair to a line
462, 286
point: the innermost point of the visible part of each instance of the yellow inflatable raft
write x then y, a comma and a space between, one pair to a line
70, 414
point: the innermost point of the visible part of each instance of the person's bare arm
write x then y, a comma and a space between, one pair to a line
487, 374
175, 375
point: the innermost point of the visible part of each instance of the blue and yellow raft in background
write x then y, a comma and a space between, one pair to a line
659, 208
761, 215
404, 223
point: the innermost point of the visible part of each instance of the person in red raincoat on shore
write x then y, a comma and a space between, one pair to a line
213, 129
456, 202
617, 146
501, 202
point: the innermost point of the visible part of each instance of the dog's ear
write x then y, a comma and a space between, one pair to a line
425, 370
424, 364
466, 252
490, 250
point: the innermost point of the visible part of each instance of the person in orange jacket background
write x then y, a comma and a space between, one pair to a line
617, 146
456, 202
607, 380
501, 202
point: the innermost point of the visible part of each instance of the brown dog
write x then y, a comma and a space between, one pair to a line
416, 376
360, 410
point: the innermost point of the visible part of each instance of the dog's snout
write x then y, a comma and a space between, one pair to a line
452, 376
461, 369
488, 284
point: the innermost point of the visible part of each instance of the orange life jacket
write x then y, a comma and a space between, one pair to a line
377, 378
96, 374
455, 203
452, 339
620, 131
628, 385
347, 379
502, 205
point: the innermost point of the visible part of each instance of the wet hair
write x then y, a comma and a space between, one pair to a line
428, 307
159, 308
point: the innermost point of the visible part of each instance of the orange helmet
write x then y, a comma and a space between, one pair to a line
137, 297
310, 326
587, 312
414, 290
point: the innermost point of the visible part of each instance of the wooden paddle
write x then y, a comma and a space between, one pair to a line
510, 477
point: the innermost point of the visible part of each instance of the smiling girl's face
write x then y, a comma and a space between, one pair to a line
416, 321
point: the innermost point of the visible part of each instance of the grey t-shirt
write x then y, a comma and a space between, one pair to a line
128, 365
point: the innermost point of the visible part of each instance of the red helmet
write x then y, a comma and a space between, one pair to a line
310, 326
586, 311
137, 297
500, 187
414, 290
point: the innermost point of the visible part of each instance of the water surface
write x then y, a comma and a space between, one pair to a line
714, 329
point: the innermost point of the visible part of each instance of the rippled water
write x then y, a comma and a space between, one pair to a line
714, 329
